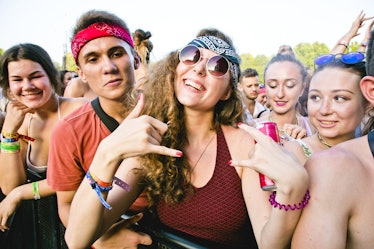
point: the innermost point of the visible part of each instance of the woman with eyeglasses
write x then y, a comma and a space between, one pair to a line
285, 79
199, 194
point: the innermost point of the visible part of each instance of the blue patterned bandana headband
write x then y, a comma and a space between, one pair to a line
222, 48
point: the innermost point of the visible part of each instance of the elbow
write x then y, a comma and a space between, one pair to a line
74, 242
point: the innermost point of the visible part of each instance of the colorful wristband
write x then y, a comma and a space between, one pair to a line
35, 190
99, 189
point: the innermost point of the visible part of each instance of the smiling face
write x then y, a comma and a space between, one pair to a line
335, 103
29, 83
284, 85
195, 87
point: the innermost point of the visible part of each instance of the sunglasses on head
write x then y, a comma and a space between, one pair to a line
217, 65
349, 58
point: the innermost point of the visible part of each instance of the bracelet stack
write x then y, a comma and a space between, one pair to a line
287, 207
99, 187
10, 143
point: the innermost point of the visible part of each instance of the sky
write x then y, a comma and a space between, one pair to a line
256, 27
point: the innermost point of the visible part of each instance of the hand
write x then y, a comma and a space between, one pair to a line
137, 135
8, 206
270, 159
15, 114
294, 131
121, 237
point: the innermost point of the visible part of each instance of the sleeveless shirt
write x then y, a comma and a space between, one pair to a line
215, 212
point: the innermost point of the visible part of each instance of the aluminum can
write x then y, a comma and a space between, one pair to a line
270, 129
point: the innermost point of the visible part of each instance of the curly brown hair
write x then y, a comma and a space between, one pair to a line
168, 178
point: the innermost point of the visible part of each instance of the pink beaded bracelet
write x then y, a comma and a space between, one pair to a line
301, 205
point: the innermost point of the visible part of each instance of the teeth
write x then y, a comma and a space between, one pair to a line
327, 122
193, 84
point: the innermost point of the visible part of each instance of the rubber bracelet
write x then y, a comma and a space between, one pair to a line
287, 207
35, 190
346, 46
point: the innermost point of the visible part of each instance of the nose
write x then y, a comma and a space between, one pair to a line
27, 84
325, 107
199, 67
109, 65
280, 92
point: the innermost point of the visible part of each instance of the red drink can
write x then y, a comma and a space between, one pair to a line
270, 129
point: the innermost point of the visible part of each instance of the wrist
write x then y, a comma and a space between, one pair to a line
364, 44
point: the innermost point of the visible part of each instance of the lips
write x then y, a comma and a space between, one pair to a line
194, 85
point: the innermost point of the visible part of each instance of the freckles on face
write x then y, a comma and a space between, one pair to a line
335, 97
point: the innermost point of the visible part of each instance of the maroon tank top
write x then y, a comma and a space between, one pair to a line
215, 212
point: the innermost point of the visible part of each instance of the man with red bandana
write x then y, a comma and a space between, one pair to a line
105, 57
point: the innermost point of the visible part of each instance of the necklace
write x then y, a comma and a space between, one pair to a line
202, 153
323, 141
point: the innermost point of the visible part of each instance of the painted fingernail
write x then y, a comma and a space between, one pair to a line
179, 153
229, 162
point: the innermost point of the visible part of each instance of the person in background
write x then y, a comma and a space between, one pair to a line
261, 98
342, 44
249, 86
29, 80
286, 49
335, 109
78, 88
65, 77
340, 180
285, 78
144, 47
202, 121
104, 53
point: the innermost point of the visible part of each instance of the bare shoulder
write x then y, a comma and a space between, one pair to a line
342, 165
68, 105
238, 141
295, 148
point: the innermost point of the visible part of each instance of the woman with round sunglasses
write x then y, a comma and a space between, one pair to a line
285, 79
198, 194
336, 107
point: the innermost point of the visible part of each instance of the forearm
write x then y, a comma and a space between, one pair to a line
85, 218
279, 228
12, 171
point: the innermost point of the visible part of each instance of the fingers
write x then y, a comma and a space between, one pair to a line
295, 131
255, 133
138, 108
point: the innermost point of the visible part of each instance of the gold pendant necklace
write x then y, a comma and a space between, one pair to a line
323, 140
202, 153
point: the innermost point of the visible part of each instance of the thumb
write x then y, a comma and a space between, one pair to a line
138, 108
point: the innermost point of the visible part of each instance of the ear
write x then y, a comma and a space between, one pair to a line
136, 60
367, 88
81, 75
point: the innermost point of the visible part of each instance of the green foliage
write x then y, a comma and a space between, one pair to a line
70, 63
305, 52
1, 51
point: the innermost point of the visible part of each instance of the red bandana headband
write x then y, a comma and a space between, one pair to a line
97, 30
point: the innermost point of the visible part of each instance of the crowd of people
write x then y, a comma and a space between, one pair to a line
163, 144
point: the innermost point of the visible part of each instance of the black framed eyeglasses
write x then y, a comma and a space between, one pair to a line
217, 65
349, 58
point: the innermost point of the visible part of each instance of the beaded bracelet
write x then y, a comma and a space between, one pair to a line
99, 189
301, 205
